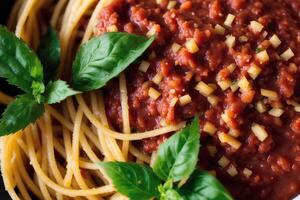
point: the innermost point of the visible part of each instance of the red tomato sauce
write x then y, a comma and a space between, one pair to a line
263, 162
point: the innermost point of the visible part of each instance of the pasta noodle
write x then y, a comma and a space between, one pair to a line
56, 158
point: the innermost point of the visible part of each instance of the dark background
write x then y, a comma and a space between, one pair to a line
5, 6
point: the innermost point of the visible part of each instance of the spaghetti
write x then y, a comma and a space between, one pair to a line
56, 158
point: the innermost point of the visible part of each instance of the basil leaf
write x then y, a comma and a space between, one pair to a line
57, 91
177, 157
170, 194
203, 186
49, 54
135, 181
19, 64
104, 57
167, 192
18, 114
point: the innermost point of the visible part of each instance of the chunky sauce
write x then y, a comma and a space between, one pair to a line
248, 92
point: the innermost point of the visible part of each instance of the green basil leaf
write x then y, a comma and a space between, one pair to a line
57, 91
177, 157
20, 65
49, 54
170, 194
203, 186
20, 113
135, 181
104, 57
167, 192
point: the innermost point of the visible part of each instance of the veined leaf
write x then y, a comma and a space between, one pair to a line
203, 186
170, 194
104, 57
135, 181
177, 157
20, 113
19, 65
49, 54
57, 91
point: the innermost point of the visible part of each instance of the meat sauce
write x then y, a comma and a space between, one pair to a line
248, 98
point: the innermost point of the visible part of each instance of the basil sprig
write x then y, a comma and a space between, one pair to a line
98, 61
21, 67
104, 57
176, 160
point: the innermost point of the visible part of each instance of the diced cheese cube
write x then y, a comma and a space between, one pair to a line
288, 54
260, 107
276, 112
225, 84
247, 172
275, 41
213, 100
229, 19
244, 84
232, 170
209, 128
234, 87
228, 139
225, 117
153, 93
254, 71
230, 41
234, 133
259, 131
175, 47
219, 29
263, 57
144, 66
171, 4
157, 78
297, 108
184, 100
192, 46
173, 102
269, 93
231, 67
223, 162
256, 27
204, 88
243, 38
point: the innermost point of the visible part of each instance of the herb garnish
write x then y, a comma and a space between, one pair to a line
21, 67
202, 185
133, 180
103, 58
18, 114
49, 54
176, 160
180, 150
98, 61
